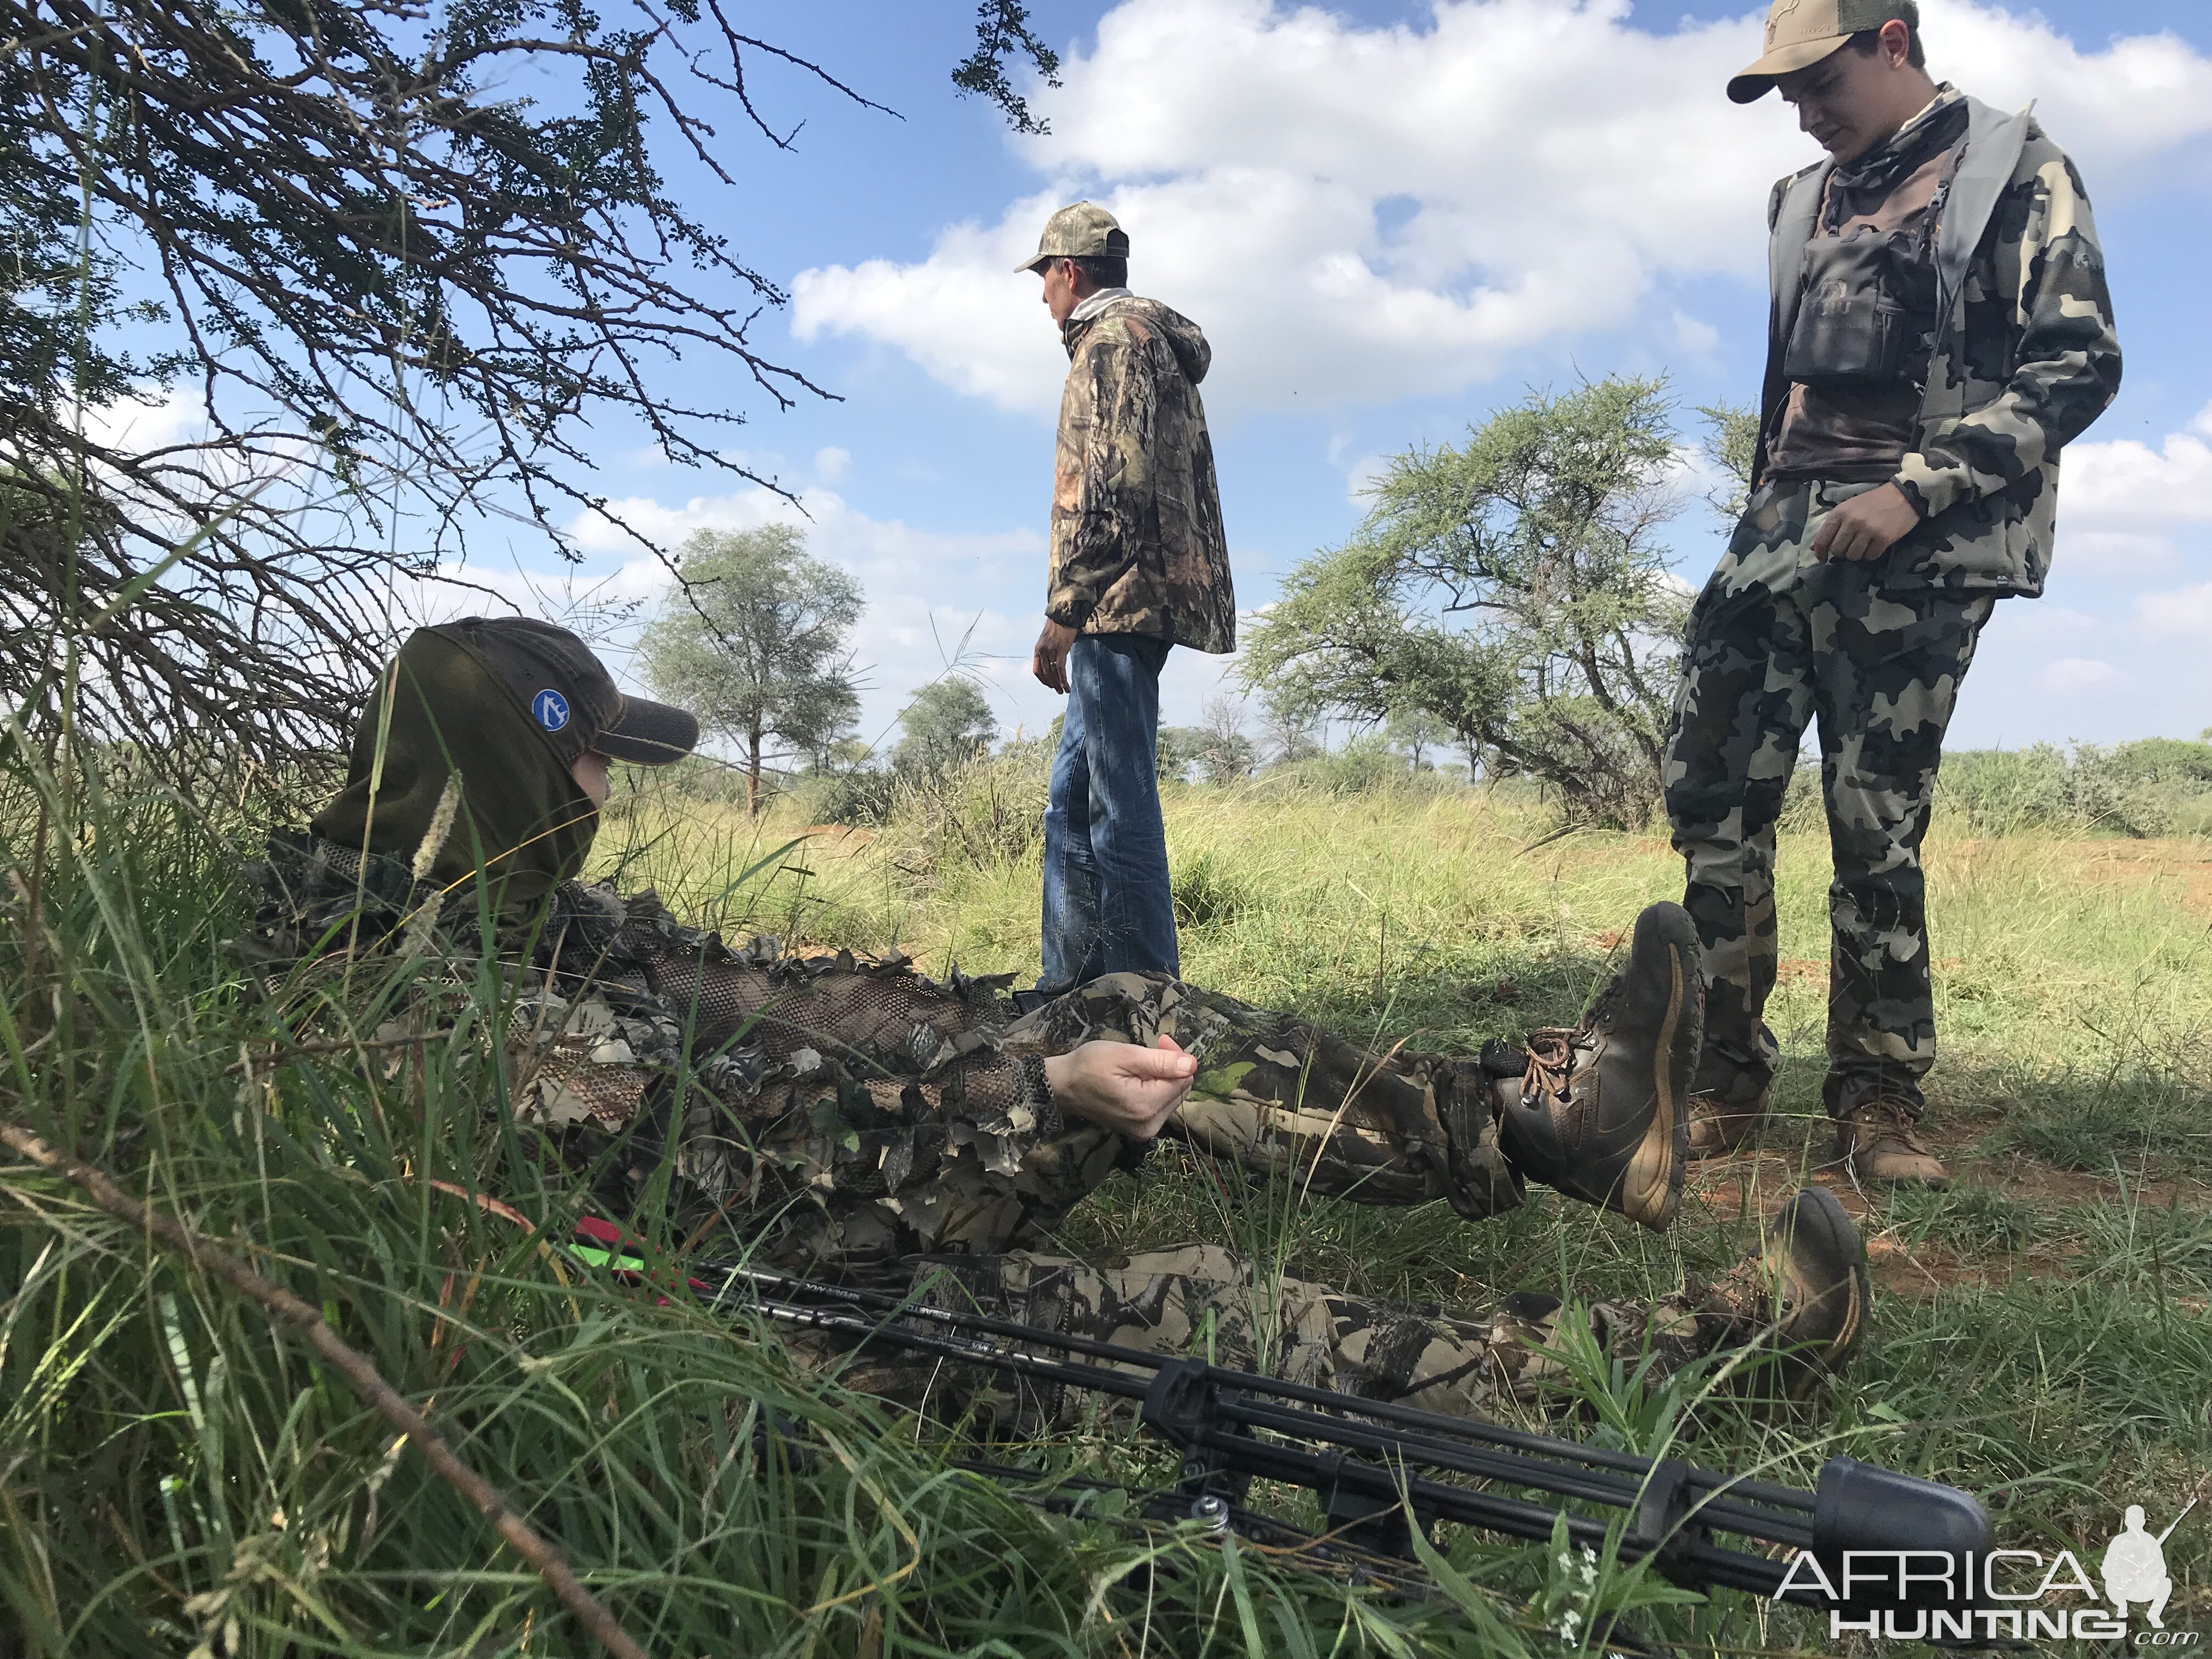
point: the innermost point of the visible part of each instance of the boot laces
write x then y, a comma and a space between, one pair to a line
1748, 1291
1887, 1117
1553, 1051
1551, 1062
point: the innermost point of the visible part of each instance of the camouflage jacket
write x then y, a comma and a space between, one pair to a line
1137, 543
2025, 355
840, 1110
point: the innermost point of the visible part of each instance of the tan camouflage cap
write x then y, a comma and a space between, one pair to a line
1082, 231
1801, 33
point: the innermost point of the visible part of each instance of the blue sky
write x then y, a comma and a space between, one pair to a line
1390, 218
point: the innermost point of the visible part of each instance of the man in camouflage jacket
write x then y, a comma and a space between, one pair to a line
1940, 329
845, 1117
1139, 565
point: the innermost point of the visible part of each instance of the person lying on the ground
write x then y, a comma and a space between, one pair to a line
847, 1117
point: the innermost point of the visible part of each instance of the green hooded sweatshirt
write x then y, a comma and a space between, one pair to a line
522, 819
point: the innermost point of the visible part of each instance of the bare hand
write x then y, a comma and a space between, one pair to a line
1121, 1086
1865, 526
1048, 662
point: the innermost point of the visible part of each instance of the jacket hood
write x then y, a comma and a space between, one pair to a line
1183, 337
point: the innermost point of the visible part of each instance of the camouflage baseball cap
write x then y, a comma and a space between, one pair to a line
1084, 231
1801, 33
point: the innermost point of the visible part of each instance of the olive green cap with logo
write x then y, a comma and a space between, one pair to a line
1082, 231
507, 703
1800, 33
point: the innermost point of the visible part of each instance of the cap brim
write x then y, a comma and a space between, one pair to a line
1037, 259
646, 733
1756, 81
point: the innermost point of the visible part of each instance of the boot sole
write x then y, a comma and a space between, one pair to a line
1934, 1183
1815, 1222
1847, 1161
1650, 1188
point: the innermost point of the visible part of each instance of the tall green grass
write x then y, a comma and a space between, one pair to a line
176, 1478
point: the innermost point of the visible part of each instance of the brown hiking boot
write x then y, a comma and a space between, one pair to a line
1879, 1141
1806, 1291
1727, 1105
1601, 1112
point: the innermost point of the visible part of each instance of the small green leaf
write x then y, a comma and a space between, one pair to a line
1223, 1082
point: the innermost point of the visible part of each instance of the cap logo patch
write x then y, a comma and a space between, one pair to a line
551, 710
1774, 22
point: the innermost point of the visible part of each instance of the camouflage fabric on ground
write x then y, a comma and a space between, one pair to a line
1778, 639
1205, 1301
856, 1120
1137, 542
849, 1110
1285, 1097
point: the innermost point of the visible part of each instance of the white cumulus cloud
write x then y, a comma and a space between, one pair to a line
835, 530
2122, 503
2184, 615
911, 632
2079, 674
1360, 213
2126, 481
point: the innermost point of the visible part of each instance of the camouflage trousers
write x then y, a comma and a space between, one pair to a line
1777, 641
1288, 1100
1205, 1302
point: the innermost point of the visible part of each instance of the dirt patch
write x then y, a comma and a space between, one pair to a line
2187, 863
1758, 1180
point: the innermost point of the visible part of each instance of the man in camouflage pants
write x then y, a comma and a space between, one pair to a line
843, 1117
1940, 328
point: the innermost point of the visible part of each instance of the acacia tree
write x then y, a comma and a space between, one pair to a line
1413, 732
754, 643
1730, 447
1290, 728
948, 722
1513, 587
392, 294
1225, 751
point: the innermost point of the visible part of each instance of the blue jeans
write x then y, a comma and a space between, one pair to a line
1107, 908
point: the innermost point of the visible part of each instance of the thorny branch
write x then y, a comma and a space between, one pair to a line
371, 271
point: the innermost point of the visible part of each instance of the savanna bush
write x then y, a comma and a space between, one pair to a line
975, 814
2155, 787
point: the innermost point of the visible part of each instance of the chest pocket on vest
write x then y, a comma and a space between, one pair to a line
1853, 330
